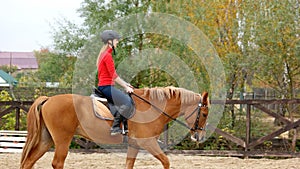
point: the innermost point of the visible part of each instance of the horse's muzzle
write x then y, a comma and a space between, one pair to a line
198, 136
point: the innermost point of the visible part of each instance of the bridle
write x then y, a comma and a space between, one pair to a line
197, 109
196, 123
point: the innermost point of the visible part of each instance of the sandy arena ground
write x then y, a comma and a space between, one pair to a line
146, 161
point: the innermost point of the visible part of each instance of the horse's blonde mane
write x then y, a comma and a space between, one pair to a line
162, 93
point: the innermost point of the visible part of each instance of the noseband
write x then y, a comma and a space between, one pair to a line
196, 123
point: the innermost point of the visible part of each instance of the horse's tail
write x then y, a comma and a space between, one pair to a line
34, 127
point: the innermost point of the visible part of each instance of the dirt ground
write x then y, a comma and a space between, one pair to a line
146, 161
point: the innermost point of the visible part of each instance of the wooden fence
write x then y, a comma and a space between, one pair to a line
12, 141
7, 107
246, 142
249, 143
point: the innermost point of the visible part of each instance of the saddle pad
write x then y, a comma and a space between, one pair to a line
101, 111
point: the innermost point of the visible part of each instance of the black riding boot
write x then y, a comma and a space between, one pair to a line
115, 129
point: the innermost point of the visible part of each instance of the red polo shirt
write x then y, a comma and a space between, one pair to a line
106, 69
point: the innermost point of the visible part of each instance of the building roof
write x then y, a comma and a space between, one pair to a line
23, 60
6, 79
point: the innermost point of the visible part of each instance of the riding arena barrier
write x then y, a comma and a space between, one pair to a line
17, 138
12, 141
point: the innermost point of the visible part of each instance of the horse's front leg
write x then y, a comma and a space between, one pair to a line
131, 156
152, 146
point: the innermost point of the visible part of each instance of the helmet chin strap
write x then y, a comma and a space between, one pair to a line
112, 46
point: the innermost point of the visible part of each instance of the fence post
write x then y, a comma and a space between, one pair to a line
17, 126
248, 127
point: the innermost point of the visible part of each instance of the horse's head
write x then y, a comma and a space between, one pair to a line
197, 119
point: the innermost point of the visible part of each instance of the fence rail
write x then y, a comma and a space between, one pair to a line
246, 142
7, 107
12, 141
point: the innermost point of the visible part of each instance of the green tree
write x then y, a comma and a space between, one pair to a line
257, 42
272, 38
55, 67
8, 68
68, 37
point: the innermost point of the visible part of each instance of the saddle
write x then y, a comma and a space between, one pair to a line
100, 98
98, 101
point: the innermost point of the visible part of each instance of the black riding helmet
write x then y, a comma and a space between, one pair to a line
109, 35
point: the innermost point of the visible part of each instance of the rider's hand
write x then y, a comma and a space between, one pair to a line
128, 89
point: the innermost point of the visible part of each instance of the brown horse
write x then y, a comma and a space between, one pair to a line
55, 120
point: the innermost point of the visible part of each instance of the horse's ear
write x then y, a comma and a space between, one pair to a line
205, 99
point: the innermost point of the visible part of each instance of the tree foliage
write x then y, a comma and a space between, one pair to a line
272, 40
54, 67
68, 37
8, 68
257, 42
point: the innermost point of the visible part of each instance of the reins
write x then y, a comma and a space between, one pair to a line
195, 126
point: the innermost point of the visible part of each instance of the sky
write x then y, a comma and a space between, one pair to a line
25, 24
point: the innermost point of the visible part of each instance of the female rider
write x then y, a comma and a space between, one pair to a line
107, 76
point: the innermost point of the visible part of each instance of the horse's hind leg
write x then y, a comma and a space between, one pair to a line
38, 151
61, 151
